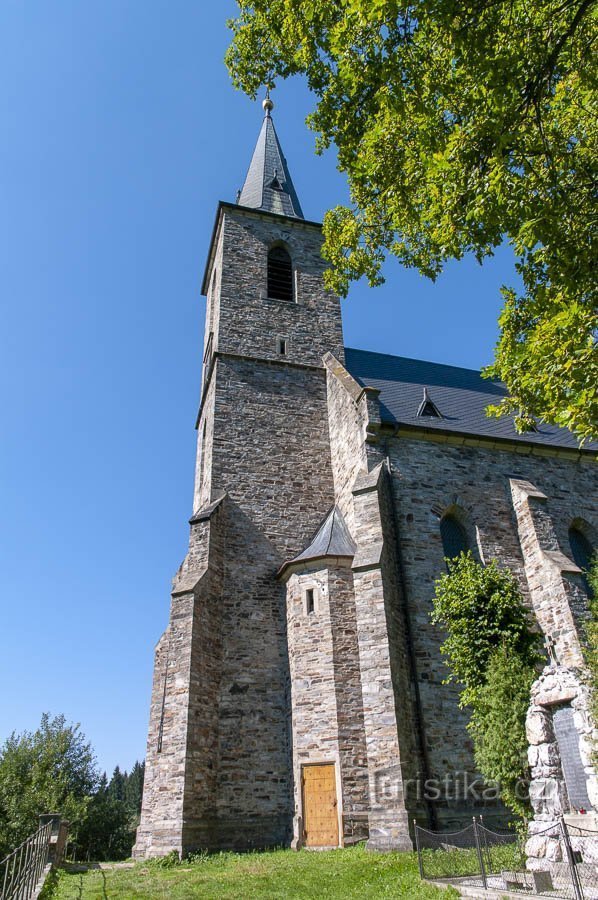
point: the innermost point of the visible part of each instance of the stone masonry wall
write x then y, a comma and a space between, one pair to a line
249, 322
183, 730
348, 420
387, 700
557, 593
326, 699
349, 704
313, 690
429, 478
226, 728
556, 686
270, 455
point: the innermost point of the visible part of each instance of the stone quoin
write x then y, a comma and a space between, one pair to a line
298, 694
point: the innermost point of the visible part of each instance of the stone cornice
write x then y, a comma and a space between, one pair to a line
317, 562
220, 354
462, 439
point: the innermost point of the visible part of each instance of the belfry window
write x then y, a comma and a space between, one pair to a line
454, 538
280, 274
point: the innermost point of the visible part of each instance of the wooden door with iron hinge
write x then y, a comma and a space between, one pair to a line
320, 812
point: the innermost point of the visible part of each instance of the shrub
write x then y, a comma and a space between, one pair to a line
498, 727
482, 609
493, 654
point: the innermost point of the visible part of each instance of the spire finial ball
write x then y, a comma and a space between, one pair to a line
268, 105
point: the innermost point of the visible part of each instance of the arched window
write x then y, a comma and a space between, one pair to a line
280, 274
582, 552
454, 538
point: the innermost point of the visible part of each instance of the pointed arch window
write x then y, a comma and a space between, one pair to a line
454, 537
280, 274
582, 552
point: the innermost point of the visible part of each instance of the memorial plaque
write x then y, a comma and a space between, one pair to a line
568, 743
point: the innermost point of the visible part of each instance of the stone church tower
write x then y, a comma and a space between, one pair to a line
298, 692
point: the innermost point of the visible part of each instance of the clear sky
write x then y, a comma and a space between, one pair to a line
120, 132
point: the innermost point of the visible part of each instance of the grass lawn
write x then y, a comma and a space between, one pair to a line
276, 874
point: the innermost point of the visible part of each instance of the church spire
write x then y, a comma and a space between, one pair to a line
268, 184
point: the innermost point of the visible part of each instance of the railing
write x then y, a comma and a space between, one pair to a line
22, 869
479, 857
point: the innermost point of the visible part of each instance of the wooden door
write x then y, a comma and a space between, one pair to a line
320, 813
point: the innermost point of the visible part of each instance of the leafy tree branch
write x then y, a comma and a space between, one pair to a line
459, 126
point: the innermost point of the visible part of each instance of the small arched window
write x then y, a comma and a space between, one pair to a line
280, 274
582, 552
454, 538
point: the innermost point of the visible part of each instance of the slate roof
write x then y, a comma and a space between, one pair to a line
332, 539
460, 396
268, 184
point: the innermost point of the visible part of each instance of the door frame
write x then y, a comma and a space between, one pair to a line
339, 804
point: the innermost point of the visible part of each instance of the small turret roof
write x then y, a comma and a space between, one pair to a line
332, 539
268, 185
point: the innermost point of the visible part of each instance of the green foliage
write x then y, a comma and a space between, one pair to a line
459, 125
498, 727
493, 654
49, 770
53, 770
107, 831
133, 786
116, 787
481, 609
330, 875
169, 861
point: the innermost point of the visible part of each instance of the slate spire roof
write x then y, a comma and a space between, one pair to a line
268, 184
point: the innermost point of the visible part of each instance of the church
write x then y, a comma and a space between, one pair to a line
299, 694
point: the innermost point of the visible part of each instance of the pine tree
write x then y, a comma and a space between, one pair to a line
134, 787
116, 788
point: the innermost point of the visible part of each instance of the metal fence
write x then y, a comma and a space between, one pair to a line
479, 857
22, 869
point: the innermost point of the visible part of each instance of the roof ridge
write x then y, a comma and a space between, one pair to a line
428, 362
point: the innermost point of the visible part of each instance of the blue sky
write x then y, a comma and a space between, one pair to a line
120, 132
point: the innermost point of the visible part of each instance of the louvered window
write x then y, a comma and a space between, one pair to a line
454, 538
280, 274
582, 552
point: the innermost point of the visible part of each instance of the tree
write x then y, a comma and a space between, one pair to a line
134, 787
493, 654
107, 831
50, 770
459, 125
116, 786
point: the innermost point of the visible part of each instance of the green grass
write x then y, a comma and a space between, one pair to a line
277, 874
